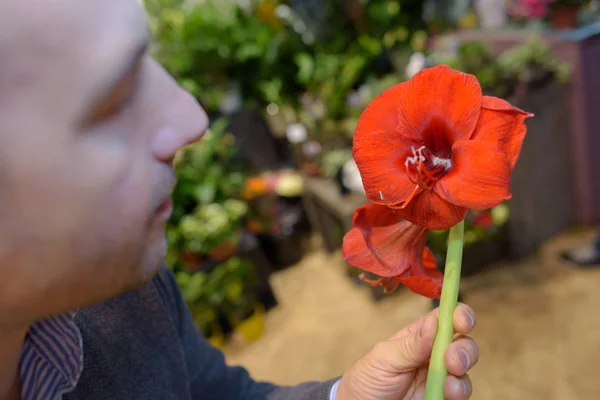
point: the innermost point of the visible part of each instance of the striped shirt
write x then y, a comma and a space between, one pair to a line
52, 358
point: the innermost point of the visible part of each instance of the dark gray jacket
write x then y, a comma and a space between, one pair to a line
144, 345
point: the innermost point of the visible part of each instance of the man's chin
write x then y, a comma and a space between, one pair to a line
149, 262
154, 258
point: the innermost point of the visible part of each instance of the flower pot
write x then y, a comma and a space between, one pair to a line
223, 251
252, 327
217, 340
226, 249
192, 260
283, 250
564, 17
311, 169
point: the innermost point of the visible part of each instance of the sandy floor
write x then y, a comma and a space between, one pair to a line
538, 326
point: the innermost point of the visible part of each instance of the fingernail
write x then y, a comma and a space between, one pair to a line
471, 317
464, 386
428, 327
464, 359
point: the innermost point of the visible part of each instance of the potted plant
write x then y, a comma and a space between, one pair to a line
208, 215
475, 57
224, 299
523, 67
196, 291
564, 13
240, 304
532, 65
276, 215
213, 229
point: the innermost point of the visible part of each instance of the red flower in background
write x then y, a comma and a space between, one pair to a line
433, 147
380, 243
483, 220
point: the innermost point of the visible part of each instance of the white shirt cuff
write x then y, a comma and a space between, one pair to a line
334, 390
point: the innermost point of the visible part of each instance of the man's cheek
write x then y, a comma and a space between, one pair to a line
132, 197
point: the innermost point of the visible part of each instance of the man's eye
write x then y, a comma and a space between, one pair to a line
119, 99
114, 107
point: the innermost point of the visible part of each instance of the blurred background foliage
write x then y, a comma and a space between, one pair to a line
307, 68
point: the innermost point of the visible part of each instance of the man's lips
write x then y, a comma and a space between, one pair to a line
165, 208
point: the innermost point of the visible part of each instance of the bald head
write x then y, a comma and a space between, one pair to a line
89, 124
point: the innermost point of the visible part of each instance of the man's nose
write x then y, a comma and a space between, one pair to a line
186, 124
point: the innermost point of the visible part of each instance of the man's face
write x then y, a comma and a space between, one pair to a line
89, 125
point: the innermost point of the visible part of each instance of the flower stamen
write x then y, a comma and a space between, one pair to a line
424, 169
389, 285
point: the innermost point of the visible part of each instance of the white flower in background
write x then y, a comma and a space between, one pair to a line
296, 133
416, 63
365, 93
353, 99
311, 149
246, 5
318, 109
283, 11
351, 177
290, 185
231, 102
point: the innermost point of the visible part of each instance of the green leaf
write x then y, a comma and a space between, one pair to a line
196, 287
206, 192
306, 67
248, 51
372, 45
183, 279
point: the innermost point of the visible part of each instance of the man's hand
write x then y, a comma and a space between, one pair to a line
397, 367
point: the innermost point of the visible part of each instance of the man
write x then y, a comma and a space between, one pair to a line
89, 125
586, 257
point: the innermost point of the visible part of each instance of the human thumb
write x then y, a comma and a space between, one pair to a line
404, 353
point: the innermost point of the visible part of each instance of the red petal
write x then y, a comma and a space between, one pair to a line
384, 250
503, 124
395, 252
479, 177
374, 215
429, 284
426, 281
381, 115
380, 156
423, 285
439, 94
431, 211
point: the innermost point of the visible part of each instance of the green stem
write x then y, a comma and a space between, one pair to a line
436, 376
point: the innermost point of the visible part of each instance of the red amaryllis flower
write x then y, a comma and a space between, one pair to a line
434, 147
394, 249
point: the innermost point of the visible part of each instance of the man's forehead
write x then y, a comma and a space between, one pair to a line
66, 43
69, 20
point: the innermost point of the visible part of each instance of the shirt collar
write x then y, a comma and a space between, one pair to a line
52, 358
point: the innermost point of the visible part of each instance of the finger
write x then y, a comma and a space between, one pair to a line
461, 355
458, 388
407, 352
464, 321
